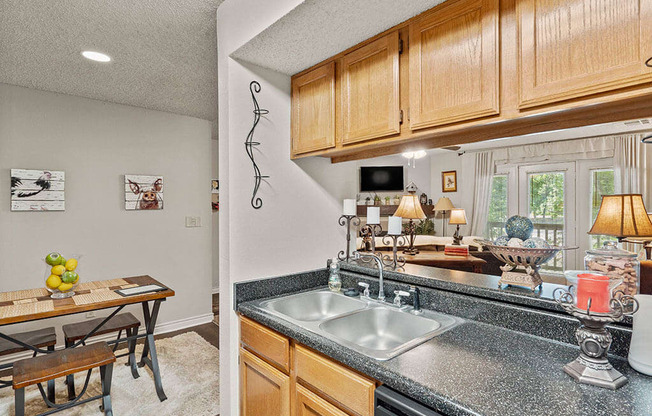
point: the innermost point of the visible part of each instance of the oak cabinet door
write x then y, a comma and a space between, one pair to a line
454, 63
309, 404
264, 390
313, 110
573, 48
370, 90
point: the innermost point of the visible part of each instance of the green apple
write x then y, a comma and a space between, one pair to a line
53, 259
69, 277
62, 261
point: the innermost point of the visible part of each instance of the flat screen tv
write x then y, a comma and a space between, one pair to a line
381, 178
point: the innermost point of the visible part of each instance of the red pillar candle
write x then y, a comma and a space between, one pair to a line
595, 287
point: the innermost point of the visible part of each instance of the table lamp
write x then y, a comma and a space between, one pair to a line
410, 208
622, 216
458, 217
444, 204
645, 240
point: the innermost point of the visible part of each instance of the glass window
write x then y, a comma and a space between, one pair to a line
497, 207
602, 183
546, 210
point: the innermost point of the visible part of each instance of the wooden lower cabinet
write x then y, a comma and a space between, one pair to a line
264, 390
309, 404
311, 385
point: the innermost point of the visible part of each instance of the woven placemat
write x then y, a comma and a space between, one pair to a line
23, 294
128, 286
95, 296
22, 301
26, 308
99, 284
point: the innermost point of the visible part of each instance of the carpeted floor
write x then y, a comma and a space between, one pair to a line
190, 374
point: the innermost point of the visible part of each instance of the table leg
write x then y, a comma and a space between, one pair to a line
150, 348
51, 382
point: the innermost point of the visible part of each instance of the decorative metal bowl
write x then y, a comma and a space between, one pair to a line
529, 259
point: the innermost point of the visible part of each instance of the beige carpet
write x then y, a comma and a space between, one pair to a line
190, 374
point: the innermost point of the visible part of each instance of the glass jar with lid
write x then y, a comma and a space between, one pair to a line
617, 264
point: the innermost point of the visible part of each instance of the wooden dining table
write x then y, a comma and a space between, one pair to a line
36, 304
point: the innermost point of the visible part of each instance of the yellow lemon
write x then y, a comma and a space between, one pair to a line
71, 265
53, 282
64, 287
58, 270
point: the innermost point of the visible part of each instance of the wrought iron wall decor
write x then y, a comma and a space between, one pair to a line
254, 88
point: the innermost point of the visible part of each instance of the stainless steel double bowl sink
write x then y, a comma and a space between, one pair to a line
375, 329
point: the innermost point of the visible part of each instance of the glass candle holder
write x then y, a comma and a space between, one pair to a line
591, 290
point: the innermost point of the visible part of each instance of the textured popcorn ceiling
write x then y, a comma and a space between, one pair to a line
164, 51
318, 29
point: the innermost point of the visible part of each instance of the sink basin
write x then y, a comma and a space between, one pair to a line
315, 306
383, 333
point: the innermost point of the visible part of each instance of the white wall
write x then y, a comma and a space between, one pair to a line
96, 143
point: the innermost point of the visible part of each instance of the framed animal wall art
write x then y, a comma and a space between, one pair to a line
143, 192
449, 181
37, 190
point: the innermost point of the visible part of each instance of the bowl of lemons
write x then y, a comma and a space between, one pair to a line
61, 275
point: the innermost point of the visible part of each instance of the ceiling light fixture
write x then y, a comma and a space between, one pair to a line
412, 156
96, 56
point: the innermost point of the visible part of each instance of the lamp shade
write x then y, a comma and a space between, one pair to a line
458, 216
622, 216
410, 208
444, 204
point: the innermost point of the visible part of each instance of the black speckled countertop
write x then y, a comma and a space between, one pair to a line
473, 369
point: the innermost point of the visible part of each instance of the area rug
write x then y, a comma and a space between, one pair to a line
190, 374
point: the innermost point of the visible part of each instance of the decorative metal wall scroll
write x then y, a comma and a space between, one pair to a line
254, 88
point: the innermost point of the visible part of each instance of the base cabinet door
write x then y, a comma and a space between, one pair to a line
309, 404
264, 390
573, 48
454, 63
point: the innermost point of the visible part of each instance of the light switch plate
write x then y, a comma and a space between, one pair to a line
192, 222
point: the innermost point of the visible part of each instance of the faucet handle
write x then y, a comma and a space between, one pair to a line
397, 297
413, 289
365, 293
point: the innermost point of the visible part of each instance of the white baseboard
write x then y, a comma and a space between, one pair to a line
162, 328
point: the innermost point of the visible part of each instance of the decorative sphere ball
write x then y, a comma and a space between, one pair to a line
519, 227
501, 241
536, 242
515, 242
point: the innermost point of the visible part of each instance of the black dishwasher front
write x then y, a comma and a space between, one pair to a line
388, 402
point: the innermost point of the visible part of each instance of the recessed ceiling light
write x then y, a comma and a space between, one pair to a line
96, 56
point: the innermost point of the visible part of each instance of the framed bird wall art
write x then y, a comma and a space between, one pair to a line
37, 190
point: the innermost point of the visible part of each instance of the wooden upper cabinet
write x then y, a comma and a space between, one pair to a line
264, 390
313, 110
370, 91
454, 63
573, 48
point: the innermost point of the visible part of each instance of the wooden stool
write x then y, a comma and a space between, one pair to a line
64, 363
41, 338
123, 322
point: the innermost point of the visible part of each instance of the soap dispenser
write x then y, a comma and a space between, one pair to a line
334, 281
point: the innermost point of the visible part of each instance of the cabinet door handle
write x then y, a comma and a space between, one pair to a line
649, 62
